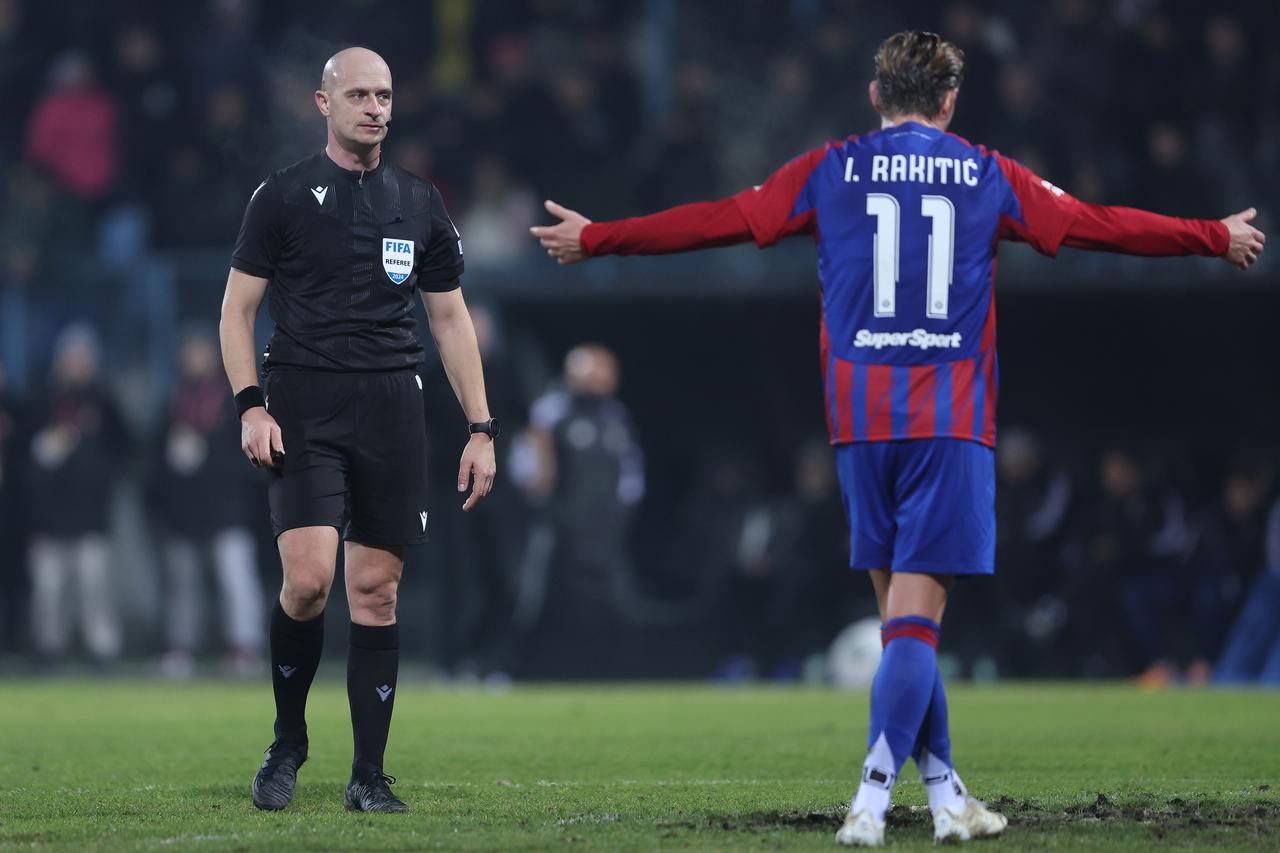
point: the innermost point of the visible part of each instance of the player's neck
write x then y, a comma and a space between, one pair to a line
353, 161
886, 121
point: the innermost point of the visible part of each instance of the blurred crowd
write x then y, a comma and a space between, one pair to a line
1134, 560
1116, 562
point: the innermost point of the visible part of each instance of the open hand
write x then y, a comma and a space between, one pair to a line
563, 241
1246, 241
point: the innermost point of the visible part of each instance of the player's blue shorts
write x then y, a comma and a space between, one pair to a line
920, 505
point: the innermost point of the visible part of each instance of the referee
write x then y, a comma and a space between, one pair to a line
344, 239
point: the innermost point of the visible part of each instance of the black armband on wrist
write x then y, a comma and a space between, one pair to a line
249, 397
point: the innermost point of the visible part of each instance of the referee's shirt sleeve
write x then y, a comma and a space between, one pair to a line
258, 246
441, 262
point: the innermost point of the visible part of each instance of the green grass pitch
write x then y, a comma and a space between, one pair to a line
149, 765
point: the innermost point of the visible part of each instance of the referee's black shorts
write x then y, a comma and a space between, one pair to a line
355, 454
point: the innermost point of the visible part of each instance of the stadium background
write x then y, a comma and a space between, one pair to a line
1138, 399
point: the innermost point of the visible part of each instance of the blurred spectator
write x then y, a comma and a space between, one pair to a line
727, 491
584, 470
1020, 128
199, 502
497, 221
77, 448
231, 143
147, 86
586, 138
1252, 652
1229, 551
187, 175
1226, 97
784, 589
678, 161
523, 100
1173, 181
30, 228
74, 130
604, 54
224, 52
790, 101
1154, 45
988, 41
1228, 107
1125, 567
1033, 501
830, 595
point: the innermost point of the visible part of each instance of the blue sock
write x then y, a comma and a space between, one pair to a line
904, 685
935, 733
932, 754
900, 697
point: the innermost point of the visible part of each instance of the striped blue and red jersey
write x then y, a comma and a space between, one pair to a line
906, 222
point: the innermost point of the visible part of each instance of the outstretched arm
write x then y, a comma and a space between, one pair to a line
1104, 228
1048, 218
778, 208
688, 227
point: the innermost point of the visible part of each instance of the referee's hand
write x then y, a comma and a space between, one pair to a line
478, 467
260, 438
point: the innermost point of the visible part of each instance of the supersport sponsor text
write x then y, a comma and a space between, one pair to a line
918, 338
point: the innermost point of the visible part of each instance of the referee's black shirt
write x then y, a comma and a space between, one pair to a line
344, 252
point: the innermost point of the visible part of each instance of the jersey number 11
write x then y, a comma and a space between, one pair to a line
942, 238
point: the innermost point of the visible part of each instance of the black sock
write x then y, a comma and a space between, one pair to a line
295, 654
373, 660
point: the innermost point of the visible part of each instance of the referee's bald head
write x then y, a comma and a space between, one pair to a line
351, 61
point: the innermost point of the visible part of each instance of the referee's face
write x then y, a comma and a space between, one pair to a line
356, 98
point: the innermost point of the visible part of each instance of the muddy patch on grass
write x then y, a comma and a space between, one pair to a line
1163, 817
827, 820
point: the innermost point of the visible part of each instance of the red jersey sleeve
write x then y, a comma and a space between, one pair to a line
700, 225
1037, 212
782, 205
1104, 228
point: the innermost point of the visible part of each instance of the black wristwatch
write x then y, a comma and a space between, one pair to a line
489, 428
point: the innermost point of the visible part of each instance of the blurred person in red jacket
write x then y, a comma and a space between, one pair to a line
73, 132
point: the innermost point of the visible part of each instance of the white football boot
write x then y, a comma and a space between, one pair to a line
976, 821
861, 830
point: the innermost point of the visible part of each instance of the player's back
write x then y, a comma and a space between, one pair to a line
907, 219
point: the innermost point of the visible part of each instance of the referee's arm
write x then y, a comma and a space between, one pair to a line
259, 432
455, 337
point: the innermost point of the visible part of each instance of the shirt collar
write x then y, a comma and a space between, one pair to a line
354, 176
